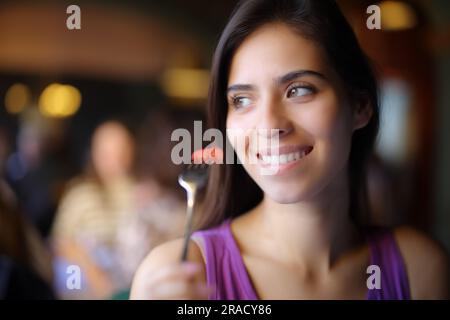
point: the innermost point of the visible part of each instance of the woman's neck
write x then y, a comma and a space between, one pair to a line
312, 234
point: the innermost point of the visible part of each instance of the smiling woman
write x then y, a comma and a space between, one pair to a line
294, 66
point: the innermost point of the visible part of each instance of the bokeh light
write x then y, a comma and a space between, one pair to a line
17, 98
186, 83
59, 101
397, 16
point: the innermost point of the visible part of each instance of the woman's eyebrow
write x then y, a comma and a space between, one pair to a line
297, 74
240, 87
281, 80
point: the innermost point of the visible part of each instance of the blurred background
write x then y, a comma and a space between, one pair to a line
86, 117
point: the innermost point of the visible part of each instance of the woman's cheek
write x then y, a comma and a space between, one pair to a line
320, 118
328, 122
235, 133
336, 137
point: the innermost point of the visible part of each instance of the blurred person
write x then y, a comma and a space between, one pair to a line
32, 173
160, 202
5, 190
294, 66
25, 262
4, 150
89, 214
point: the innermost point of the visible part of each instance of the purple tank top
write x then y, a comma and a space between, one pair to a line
225, 269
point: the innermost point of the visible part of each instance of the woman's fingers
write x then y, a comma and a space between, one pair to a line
183, 271
178, 281
180, 290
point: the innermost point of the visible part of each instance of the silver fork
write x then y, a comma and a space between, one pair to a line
191, 179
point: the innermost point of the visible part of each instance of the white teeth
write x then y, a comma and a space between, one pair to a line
284, 158
290, 156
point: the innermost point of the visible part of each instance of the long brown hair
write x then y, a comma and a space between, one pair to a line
231, 191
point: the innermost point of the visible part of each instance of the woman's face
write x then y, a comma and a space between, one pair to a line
280, 80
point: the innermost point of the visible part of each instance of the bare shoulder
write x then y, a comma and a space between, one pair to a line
427, 264
165, 255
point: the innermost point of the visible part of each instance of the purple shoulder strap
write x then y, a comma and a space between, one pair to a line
385, 253
225, 269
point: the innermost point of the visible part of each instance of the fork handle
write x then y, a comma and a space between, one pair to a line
188, 225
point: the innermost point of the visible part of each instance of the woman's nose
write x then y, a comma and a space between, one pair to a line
273, 120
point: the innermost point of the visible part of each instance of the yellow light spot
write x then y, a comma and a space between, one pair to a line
397, 15
59, 101
186, 83
17, 98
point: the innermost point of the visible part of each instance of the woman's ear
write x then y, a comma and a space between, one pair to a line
362, 115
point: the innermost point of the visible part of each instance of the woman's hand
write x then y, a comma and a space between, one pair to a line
173, 282
162, 277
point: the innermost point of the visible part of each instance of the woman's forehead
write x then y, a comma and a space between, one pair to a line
273, 50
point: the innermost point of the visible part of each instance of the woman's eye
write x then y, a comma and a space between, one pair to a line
240, 102
299, 91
